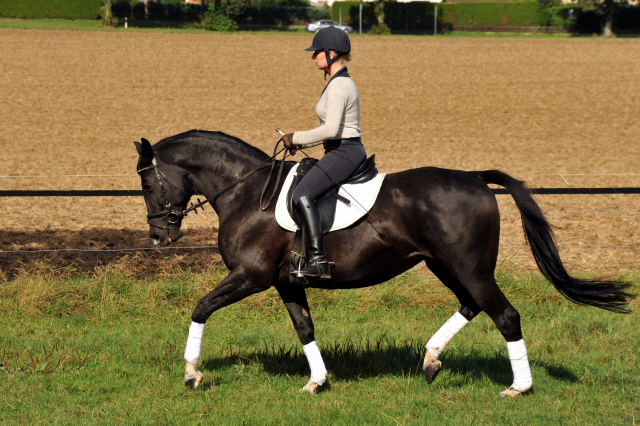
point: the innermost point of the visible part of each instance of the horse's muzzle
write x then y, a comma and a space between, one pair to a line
162, 237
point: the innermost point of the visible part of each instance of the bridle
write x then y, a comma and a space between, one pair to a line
173, 217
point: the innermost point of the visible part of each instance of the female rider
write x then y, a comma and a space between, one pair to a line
339, 112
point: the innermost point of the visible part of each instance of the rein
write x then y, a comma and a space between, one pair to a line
273, 165
173, 217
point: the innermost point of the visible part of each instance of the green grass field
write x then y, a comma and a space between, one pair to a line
107, 348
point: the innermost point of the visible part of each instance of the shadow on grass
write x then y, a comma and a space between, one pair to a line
357, 360
557, 372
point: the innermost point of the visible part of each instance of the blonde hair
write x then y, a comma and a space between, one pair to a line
344, 59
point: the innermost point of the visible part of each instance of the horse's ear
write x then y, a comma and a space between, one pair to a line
144, 149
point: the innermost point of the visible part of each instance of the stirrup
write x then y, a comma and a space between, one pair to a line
314, 270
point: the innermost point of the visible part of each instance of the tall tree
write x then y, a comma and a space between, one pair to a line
108, 16
607, 8
379, 10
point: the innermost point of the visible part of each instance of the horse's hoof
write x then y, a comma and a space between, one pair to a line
510, 393
431, 367
310, 387
193, 380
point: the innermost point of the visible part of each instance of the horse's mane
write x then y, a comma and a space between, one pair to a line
209, 138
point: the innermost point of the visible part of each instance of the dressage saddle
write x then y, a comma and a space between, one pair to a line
327, 203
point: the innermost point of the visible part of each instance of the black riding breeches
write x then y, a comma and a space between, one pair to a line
337, 165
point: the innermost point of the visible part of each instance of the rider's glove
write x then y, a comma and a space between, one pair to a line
288, 142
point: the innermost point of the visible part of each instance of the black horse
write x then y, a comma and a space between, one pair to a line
448, 219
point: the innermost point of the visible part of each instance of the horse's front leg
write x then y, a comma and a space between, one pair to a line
235, 287
295, 299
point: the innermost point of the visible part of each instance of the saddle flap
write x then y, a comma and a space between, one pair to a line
337, 215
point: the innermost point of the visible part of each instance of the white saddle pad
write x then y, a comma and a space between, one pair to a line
361, 195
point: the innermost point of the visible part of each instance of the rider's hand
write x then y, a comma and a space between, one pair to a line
288, 142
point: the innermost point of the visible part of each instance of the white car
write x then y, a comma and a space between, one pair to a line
314, 27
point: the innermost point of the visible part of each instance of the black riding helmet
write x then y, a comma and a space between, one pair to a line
330, 38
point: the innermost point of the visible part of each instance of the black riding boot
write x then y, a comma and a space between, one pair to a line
317, 267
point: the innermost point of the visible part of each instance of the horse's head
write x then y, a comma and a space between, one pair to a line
167, 191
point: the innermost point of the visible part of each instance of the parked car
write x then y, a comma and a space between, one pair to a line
314, 27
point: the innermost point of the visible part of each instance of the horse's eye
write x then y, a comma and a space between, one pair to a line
147, 188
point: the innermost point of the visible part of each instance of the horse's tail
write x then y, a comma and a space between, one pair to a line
601, 293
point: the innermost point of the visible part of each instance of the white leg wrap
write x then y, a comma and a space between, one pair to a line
522, 380
192, 351
318, 370
436, 344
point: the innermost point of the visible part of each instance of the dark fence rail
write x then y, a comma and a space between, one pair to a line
73, 193
138, 193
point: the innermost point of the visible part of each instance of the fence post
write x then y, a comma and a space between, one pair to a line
360, 18
340, 16
435, 19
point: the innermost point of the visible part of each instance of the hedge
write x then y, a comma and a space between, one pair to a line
278, 15
409, 16
53, 9
351, 13
399, 16
244, 14
419, 16
627, 19
492, 14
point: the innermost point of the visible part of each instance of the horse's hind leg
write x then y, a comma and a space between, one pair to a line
479, 292
468, 310
507, 319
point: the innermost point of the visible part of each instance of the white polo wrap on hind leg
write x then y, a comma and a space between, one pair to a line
522, 380
436, 344
194, 341
318, 370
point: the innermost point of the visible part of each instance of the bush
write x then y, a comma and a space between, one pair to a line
216, 20
220, 23
555, 17
52, 9
380, 29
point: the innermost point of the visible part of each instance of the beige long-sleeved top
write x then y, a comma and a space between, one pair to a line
339, 112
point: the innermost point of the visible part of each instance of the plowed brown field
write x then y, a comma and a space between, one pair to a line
73, 102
